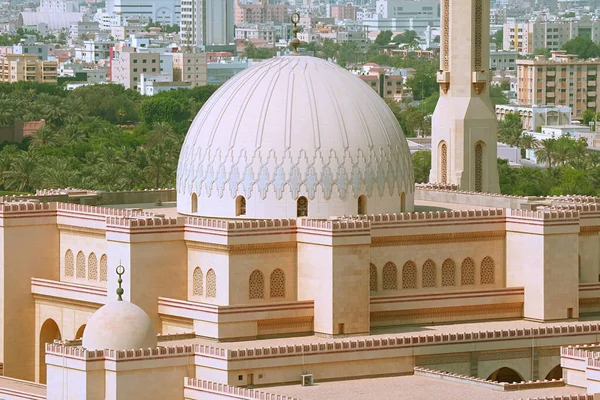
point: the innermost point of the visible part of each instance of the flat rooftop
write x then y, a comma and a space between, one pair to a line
412, 387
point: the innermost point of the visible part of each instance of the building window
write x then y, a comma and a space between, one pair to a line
478, 167
467, 272
80, 266
103, 268
389, 277
277, 284
444, 161
302, 207
198, 282
402, 202
211, 283
362, 204
409, 275
240, 206
69, 263
448, 273
487, 271
194, 203
256, 285
92, 267
373, 278
428, 279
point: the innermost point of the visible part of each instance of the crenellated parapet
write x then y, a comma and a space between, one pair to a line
544, 215
335, 225
17, 207
239, 225
142, 221
74, 209
431, 215
119, 355
227, 391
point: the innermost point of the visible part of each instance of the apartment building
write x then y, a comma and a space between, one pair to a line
562, 80
256, 32
260, 13
343, 12
503, 60
206, 23
27, 67
388, 84
516, 37
190, 67
130, 65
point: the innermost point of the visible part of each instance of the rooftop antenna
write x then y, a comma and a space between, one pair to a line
295, 41
120, 272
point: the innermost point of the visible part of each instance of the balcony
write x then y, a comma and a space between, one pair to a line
591, 104
550, 73
591, 83
550, 84
591, 94
550, 94
591, 72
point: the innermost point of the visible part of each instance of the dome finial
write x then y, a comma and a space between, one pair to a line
120, 272
295, 42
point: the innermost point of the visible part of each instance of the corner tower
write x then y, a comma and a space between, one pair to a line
464, 123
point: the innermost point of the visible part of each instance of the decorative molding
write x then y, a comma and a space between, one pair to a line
504, 355
81, 230
243, 249
221, 390
437, 238
548, 351
589, 230
439, 359
298, 324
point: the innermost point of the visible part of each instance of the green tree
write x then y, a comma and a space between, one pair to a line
160, 109
510, 129
498, 39
421, 161
588, 116
583, 47
542, 51
383, 38
497, 96
23, 175
423, 84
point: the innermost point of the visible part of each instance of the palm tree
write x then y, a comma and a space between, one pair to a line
58, 173
158, 165
528, 141
45, 136
161, 132
545, 154
23, 173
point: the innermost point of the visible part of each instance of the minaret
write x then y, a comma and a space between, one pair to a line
463, 139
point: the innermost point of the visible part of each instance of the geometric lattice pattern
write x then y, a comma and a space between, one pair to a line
449, 273
444, 163
373, 278
409, 275
389, 277
92, 267
467, 272
198, 281
80, 266
429, 274
277, 284
103, 268
302, 207
478, 167
487, 271
69, 263
211, 283
478, 65
446, 35
256, 285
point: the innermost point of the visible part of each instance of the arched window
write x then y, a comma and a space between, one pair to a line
194, 203
467, 272
487, 271
428, 274
302, 207
80, 266
277, 284
103, 268
92, 267
409, 275
402, 202
479, 167
362, 204
389, 277
256, 285
198, 280
69, 263
373, 278
448, 273
211, 283
579, 267
444, 161
240, 206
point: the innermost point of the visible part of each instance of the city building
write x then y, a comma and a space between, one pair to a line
58, 6
501, 60
166, 12
92, 50
54, 21
265, 33
516, 37
534, 117
402, 15
223, 66
27, 67
206, 23
342, 12
191, 68
128, 66
153, 84
84, 27
260, 13
388, 83
562, 80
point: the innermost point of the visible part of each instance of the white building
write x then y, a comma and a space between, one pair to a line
58, 6
166, 12
207, 22
264, 32
401, 15
503, 60
533, 117
152, 84
83, 27
94, 50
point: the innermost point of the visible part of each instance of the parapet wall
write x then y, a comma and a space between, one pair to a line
119, 355
437, 194
194, 387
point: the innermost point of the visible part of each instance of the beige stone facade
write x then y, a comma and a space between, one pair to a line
190, 67
27, 67
130, 65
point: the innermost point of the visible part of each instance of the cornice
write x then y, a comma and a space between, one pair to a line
244, 249
82, 230
437, 238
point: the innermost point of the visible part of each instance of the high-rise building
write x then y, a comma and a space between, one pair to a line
130, 65
561, 80
464, 124
207, 22
166, 12
343, 12
260, 13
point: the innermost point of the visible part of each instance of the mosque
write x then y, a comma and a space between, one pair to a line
297, 249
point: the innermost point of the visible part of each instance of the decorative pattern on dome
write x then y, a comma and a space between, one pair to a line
295, 126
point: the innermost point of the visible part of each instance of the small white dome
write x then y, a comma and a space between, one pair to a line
289, 127
119, 325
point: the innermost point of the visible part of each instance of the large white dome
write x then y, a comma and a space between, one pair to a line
289, 127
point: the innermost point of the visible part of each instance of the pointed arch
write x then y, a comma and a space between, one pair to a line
555, 373
479, 147
505, 374
92, 267
429, 271
48, 334
488, 271
198, 282
240, 206
389, 276
256, 285
448, 273
69, 263
409, 275
80, 265
103, 268
211, 283
302, 207
194, 203
277, 284
362, 204
443, 161
373, 278
467, 272
80, 331
402, 202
